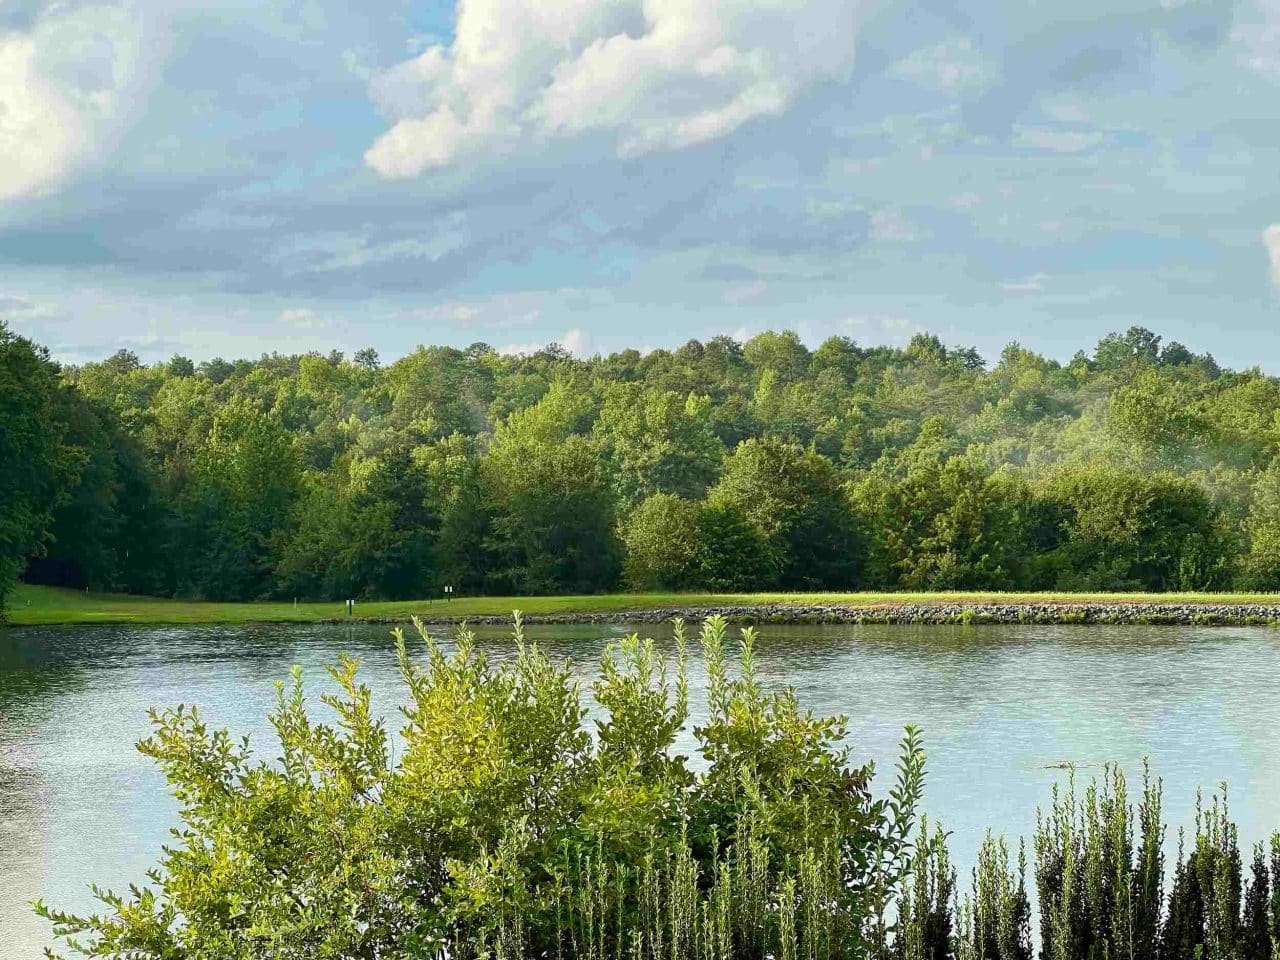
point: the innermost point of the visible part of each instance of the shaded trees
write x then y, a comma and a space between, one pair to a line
109, 528
36, 466
661, 536
553, 509
1261, 564
240, 490
933, 521
1139, 465
1126, 529
794, 499
374, 537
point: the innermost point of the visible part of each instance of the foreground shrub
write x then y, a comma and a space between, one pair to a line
1101, 888
498, 825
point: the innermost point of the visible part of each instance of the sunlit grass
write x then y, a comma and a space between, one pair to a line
34, 605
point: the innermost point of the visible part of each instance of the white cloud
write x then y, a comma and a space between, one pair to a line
890, 226
66, 85
1271, 239
648, 74
880, 328
1058, 140
1259, 36
576, 342
509, 312
520, 349
335, 251
868, 329
953, 66
15, 306
1031, 284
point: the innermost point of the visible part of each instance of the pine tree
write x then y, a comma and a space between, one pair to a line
1148, 875
1255, 935
1183, 935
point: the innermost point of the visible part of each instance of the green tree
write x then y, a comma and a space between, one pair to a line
498, 825
1137, 345
437, 391
1157, 414
933, 521
839, 354
36, 467
532, 466
658, 442
1122, 528
554, 510
93, 528
794, 498
730, 552
781, 352
1260, 569
660, 536
459, 483
1257, 937
374, 538
241, 490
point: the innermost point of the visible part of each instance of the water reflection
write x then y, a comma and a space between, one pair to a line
32, 682
999, 707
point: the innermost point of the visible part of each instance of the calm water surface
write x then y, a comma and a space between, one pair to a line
999, 705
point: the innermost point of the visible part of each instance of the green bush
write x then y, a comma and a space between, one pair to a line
1100, 885
500, 826
660, 537
1123, 528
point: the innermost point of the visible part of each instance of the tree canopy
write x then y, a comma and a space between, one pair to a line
721, 465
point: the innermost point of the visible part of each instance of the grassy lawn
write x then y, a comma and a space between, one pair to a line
34, 605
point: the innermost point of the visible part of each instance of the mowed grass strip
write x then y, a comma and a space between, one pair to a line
54, 605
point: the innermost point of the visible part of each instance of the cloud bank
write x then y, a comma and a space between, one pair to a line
195, 176
67, 82
647, 74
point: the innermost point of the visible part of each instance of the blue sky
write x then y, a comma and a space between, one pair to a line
228, 178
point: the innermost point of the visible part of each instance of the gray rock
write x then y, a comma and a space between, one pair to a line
1200, 614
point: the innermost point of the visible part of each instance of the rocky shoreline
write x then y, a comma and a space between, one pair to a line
1197, 614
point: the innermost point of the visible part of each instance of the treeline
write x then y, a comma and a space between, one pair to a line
501, 824
719, 465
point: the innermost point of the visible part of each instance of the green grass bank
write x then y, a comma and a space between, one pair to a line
32, 605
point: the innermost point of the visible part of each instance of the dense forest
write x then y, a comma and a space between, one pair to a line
721, 465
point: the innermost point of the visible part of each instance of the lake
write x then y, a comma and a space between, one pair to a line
1000, 707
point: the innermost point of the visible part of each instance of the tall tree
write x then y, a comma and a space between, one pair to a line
658, 442
1123, 528
36, 467
554, 523
241, 488
932, 521
795, 499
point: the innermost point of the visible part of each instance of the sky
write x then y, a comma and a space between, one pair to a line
233, 177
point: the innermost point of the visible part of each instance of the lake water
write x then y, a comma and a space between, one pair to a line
999, 706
